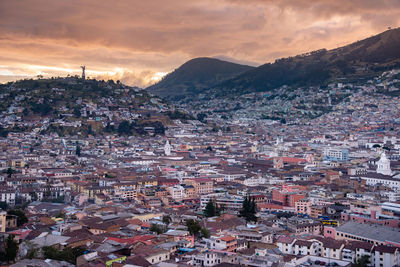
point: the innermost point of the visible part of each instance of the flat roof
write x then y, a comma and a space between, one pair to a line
371, 231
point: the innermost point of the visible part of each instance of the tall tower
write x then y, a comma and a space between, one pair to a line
83, 72
167, 148
383, 165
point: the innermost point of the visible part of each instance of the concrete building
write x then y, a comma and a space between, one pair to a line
374, 234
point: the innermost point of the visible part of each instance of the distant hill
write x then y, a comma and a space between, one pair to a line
71, 105
354, 62
195, 76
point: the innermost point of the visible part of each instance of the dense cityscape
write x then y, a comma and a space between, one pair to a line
210, 133
215, 192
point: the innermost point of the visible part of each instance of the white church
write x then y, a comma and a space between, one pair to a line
383, 165
384, 175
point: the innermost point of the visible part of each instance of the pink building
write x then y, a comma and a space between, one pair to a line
303, 206
360, 218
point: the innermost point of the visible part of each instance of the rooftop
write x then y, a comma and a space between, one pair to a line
371, 231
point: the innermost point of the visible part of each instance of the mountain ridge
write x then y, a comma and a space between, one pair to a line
196, 74
357, 61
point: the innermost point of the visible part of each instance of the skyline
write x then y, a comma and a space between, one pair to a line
138, 42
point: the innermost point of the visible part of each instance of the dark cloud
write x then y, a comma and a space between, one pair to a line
143, 38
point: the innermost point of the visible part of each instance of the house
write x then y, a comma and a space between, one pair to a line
103, 227
355, 250
305, 247
224, 243
151, 254
385, 256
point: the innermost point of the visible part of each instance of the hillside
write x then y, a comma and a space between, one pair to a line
71, 106
195, 76
355, 62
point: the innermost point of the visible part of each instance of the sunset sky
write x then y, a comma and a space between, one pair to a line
140, 41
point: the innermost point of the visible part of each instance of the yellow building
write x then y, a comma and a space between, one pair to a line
148, 216
3, 221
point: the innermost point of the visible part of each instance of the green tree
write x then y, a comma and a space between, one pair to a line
249, 209
253, 210
245, 208
10, 171
166, 219
21, 218
159, 229
159, 128
205, 232
210, 210
77, 112
220, 209
193, 227
3, 132
363, 261
109, 128
11, 249
67, 254
32, 254
124, 128
78, 151
90, 130
3, 205
201, 116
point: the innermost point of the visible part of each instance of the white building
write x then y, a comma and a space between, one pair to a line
167, 148
383, 165
177, 192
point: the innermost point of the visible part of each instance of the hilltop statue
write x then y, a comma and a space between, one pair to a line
83, 72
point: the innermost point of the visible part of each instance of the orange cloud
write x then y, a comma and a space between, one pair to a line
144, 38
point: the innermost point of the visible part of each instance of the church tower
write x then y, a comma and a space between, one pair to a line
167, 148
383, 165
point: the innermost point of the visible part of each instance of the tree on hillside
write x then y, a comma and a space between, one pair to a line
210, 210
21, 218
67, 254
220, 209
249, 209
10, 171
159, 229
193, 226
124, 128
253, 210
205, 232
78, 151
11, 249
201, 116
3, 205
77, 112
166, 220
